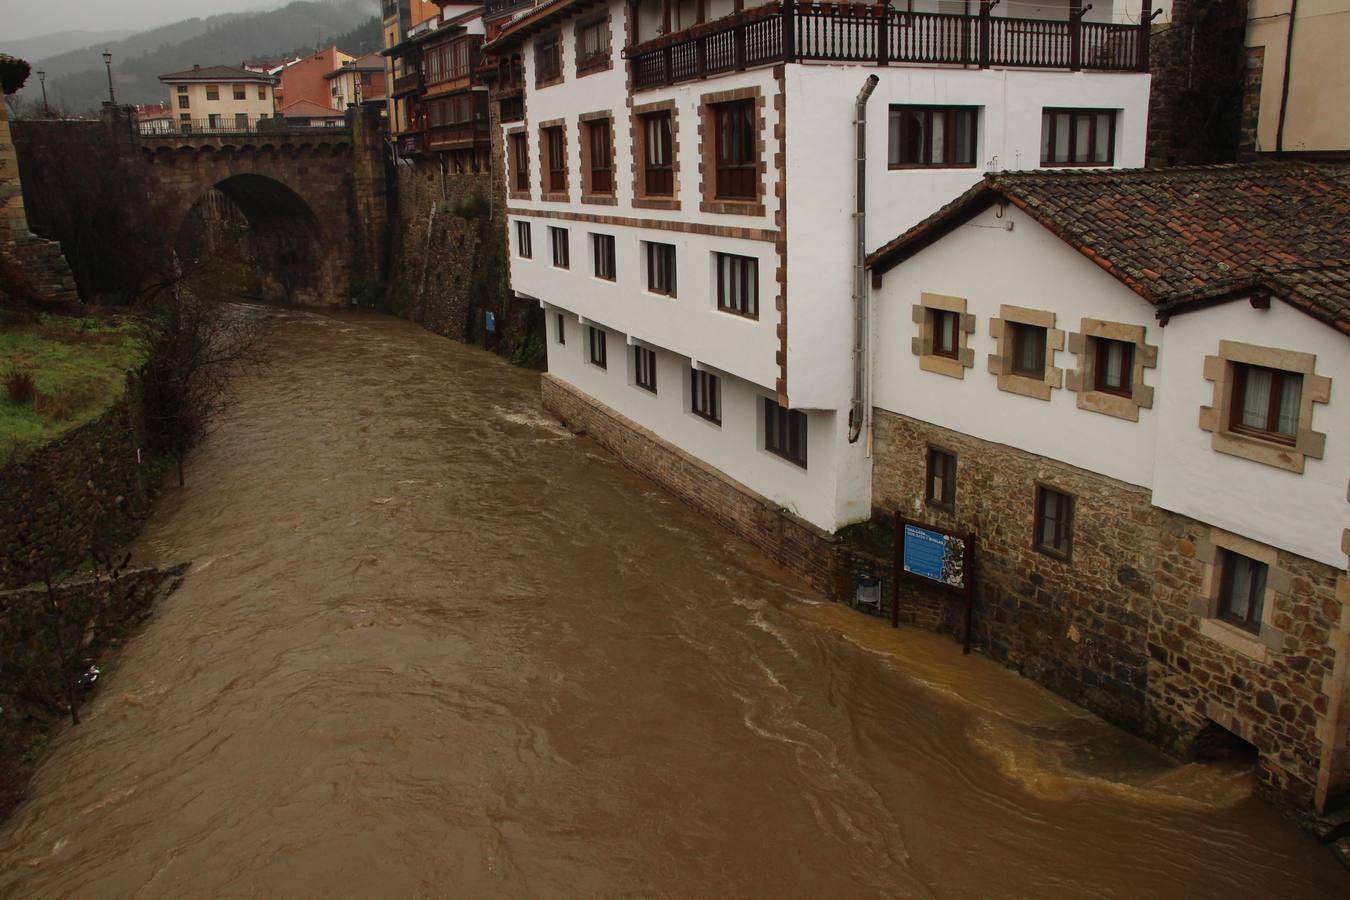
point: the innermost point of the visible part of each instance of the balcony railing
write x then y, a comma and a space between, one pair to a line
407, 84
497, 7
457, 136
872, 34
231, 125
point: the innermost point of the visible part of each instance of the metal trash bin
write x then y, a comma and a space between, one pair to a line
867, 593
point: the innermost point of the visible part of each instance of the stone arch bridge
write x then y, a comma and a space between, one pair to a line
314, 198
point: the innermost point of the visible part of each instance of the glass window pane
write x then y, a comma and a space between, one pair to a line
1082, 134
965, 138
1046, 123
1062, 137
893, 138
938, 138
1115, 353
1256, 398
1291, 393
1102, 150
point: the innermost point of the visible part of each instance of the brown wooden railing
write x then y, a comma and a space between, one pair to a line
874, 34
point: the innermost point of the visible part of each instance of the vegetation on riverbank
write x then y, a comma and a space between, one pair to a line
60, 372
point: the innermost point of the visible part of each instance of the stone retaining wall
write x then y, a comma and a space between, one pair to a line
797, 546
80, 491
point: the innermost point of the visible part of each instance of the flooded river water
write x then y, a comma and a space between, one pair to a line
432, 645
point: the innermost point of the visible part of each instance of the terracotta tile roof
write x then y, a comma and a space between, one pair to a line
218, 73
1182, 238
306, 109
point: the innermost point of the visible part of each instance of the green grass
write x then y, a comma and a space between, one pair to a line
79, 366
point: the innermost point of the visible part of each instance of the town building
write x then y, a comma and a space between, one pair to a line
439, 100
400, 17
1123, 385
304, 114
685, 187
155, 118
305, 78
215, 98
360, 81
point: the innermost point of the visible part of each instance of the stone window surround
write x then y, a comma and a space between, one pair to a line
707, 166
539, 41
511, 162
1214, 419
922, 346
544, 193
1082, 379
607, 60
638, 136
1000, 361
1206, 604
584, 143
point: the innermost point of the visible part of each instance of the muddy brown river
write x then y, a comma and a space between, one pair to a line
432, 645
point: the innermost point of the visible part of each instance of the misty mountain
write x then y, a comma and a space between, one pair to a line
35, 49
77, 81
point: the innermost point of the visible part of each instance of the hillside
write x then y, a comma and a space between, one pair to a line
77, 81
48, 45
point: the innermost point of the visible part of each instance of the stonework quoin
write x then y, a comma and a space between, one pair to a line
1083, 379
1001, 361
707, 141
923, 346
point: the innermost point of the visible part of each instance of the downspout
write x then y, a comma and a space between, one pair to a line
857, 412
1284, 88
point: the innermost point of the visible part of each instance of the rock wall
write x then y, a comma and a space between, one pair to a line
80, 492
1127, 625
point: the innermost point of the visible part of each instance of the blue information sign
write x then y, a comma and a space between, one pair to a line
934, 555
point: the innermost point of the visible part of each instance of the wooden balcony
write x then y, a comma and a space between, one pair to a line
459, 136
791, 31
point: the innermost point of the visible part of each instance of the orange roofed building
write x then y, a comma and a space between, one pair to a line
304, 78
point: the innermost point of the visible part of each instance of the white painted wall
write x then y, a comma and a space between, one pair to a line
1027, 266
1303, 514
1166, 450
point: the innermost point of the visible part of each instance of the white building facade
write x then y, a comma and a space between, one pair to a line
705, 225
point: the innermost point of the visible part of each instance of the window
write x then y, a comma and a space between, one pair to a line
940, 483
240, 93
644, 368
241, 121
556, 176
596, 346
213, 120
600, 168
706, 395
520, 163
785, 432
367, 79
1028, 350
1113, 372
524, 241
548, 59
945, 327
935, 136
658, 159
735, 155
183, 101
1266, 403
592, 45
738, 285
558, 236
1054, 522
182, 88
561, 324
1242, 589
213, 92
262, 93
602, 247
1078, 137
661, 268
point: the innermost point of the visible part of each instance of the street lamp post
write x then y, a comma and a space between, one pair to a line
107, 61
42, 80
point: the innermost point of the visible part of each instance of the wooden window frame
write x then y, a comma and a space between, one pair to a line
213, 92
599, 175
1022, 332
785, 432
1241, 372
1074, 114
1101, 370
644, 361
1091, 346
940, 464
709, 386
1256, 598
553, 147
600, 60
239, 92
1004, 329
519, 147
597, 350
747, 281
600, 256
559, 239
661, 258
1061, 546
949, 135
664, 187
927, 315
938, 318
524, 240
732, 165
545, 77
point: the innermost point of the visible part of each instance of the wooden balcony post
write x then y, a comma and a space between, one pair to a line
883, 34
738, 40
1145, 34
789, 30
701, 55
1075, 35
984, 34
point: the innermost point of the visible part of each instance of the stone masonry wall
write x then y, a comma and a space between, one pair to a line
1125, 627
79, 491
797, 546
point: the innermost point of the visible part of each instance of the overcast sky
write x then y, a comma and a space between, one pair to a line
28, 18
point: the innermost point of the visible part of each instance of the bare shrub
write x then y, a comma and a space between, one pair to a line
20, 388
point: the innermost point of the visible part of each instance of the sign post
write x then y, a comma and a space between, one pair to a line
934, 557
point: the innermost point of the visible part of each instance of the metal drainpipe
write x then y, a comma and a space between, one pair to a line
857, 409
1284, 88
